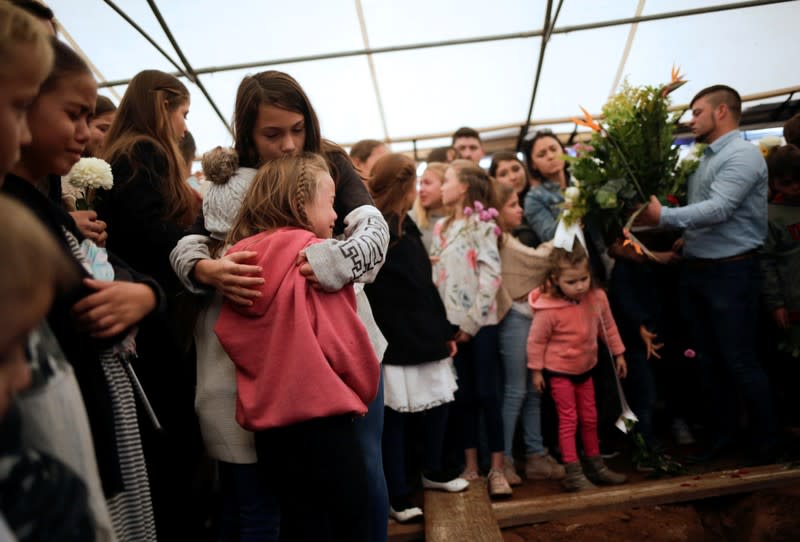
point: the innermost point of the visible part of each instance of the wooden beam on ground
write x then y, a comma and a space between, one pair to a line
456, 517
406, 532
651, 493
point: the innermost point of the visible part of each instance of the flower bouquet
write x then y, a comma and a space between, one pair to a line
629, 157
87, 175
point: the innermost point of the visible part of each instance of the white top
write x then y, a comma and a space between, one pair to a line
467, 272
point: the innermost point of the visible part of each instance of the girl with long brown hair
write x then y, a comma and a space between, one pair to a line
147, 210
274, 118
508, 169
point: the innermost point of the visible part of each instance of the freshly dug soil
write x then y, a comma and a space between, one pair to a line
758, 517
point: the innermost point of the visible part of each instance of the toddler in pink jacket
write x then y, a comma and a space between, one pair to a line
569, 316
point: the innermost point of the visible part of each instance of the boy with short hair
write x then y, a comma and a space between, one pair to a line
467, 144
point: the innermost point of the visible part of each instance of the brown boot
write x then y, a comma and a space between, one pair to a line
575, 479
543, 467
600, 474
510, 471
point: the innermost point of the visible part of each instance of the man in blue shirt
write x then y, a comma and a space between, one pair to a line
724, 223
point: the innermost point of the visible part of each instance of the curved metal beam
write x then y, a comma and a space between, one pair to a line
192, 75
373, 75
627, 51
547, 28
479, 39
146, 36
565, 120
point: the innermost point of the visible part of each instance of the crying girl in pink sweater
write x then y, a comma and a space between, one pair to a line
305, 366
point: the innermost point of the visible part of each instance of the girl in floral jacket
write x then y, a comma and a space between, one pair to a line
469, 236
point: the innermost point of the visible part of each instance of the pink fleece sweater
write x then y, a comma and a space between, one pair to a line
300, 353
563, 336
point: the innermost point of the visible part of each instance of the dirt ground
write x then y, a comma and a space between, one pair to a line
766, 516
759, 517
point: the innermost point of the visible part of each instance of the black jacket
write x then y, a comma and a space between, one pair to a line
406, 303
138, 232
80, 349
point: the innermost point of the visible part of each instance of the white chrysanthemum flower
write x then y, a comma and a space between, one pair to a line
571, 193
91, 173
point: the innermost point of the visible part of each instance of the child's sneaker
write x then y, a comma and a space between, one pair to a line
498, 485
510, 471
402, 510
444, 481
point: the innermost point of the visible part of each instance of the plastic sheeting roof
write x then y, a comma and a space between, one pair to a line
419, 93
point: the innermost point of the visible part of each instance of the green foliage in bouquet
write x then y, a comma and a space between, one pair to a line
630, 157
657, 462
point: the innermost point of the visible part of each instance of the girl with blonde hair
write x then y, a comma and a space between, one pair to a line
570, 313
27, 58
467, 274
428, 207
312, 343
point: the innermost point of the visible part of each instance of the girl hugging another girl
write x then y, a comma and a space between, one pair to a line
305, 366
569, 315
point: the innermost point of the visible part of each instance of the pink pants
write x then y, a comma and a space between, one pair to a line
575, 402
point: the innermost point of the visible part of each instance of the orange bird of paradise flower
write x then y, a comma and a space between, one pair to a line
588, 121
636, 247
677, 80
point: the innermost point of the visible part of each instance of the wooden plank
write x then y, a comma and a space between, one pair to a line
406, 532
456, 517
650, 493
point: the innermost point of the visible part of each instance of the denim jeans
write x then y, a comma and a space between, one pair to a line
519, 396
250, 511
369, 431
721, 300
476, 367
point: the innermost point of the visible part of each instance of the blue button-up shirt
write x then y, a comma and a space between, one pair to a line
727, 210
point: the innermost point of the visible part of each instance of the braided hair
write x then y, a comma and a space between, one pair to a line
278, 196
